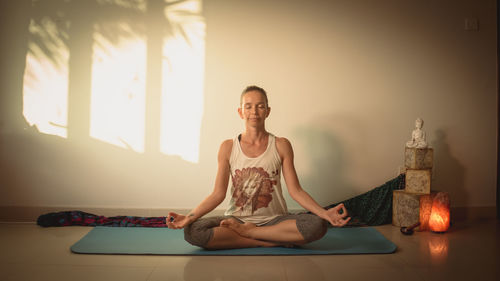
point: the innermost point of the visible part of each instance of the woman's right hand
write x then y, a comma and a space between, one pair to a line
177, 221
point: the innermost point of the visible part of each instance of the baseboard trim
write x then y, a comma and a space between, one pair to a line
31, 213
473, 213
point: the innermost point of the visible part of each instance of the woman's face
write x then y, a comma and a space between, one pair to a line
254, 109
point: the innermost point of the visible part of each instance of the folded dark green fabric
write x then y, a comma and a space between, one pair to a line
373, 207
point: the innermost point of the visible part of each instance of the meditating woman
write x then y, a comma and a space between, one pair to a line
257, 215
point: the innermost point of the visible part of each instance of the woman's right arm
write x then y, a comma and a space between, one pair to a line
215, 198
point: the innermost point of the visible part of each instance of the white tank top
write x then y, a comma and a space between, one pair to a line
256, 194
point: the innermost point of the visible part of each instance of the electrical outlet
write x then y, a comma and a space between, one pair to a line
471, 24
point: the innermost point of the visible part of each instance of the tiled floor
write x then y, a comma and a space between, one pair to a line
469, 251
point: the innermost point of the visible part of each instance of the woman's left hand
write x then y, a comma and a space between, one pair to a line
336, 218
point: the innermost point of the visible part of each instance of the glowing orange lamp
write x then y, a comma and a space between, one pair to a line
439, 220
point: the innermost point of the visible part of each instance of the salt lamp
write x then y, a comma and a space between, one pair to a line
439, 221
425, 210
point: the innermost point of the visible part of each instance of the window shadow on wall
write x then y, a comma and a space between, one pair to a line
51, 155
117, 71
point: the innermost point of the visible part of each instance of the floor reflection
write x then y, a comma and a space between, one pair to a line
438, 248
239, 268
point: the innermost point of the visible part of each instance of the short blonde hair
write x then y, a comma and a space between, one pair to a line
251, 89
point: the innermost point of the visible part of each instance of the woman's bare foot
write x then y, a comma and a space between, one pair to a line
226, 238
243, 229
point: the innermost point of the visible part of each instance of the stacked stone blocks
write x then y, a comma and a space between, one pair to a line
408, 203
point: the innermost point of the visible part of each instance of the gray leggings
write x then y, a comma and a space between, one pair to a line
201, 231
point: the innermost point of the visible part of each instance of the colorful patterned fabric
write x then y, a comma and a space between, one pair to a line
85, 219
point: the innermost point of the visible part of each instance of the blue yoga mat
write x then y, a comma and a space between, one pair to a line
164, 241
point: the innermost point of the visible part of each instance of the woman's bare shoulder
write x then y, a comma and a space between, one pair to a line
225, 148
284, 147
282, 141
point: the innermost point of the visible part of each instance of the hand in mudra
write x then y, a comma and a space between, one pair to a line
335, 217
176, 221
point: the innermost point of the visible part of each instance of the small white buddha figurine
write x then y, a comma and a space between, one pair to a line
417, 136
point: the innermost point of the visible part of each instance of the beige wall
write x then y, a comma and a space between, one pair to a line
346, 80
